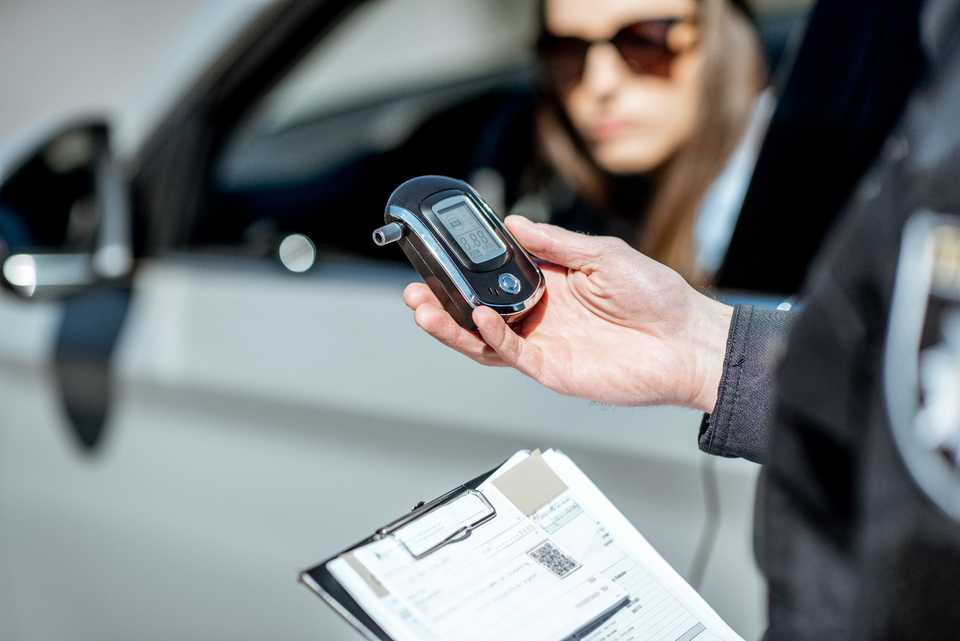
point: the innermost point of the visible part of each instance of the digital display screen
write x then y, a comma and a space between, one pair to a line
463, 223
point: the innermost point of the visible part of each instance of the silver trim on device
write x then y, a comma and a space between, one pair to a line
439, 253
466, 290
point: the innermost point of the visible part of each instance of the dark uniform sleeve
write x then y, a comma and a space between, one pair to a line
738, 426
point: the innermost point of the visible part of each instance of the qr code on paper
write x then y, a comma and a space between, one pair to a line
549, 556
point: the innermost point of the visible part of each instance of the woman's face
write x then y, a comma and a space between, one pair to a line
631, 122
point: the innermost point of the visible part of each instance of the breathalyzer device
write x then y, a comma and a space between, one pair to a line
461, 249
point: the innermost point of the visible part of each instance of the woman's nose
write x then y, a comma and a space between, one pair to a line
604, 70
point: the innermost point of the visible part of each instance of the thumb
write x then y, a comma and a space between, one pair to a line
555, 244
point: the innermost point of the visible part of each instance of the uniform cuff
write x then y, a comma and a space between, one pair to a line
739, 424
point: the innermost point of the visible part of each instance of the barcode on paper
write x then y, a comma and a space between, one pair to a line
549, 556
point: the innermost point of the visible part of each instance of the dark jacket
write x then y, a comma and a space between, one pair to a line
850, 545
847, 87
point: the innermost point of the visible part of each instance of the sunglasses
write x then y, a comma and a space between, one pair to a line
644, 46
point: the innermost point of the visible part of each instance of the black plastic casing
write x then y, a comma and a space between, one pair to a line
455, 280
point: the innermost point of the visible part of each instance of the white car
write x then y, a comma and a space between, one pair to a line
189, 415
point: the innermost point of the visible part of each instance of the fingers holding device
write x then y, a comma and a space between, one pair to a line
464, 253
613, 326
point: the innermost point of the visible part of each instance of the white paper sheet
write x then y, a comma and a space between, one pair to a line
536, 577
667, 603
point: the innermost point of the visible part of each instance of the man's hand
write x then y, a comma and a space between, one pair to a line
613, 326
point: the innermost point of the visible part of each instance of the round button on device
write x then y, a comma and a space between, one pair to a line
509, 283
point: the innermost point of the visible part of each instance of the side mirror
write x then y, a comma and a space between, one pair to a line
65, 216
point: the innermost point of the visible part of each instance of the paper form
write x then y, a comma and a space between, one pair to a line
664, 604
493, 585
556, 556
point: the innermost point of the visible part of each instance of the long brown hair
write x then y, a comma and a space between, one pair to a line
732, 75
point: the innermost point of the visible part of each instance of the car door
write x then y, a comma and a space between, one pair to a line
271, 406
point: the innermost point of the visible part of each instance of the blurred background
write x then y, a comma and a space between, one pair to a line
208, 379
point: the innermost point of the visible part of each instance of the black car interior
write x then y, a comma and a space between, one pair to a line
328, 175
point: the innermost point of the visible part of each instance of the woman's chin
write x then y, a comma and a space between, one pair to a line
622, 157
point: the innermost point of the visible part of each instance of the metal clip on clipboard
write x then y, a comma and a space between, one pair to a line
460, 533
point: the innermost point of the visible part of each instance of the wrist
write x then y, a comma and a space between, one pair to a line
709, 334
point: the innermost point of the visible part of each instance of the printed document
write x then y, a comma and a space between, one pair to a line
536, 553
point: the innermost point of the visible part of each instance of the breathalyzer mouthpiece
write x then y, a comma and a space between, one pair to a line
388, 234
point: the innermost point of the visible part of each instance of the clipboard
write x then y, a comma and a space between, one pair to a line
320, 581
551, 485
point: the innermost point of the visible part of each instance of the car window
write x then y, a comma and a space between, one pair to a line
400, 88
390, 46
314, 153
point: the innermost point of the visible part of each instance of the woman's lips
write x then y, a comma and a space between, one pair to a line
605, 130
